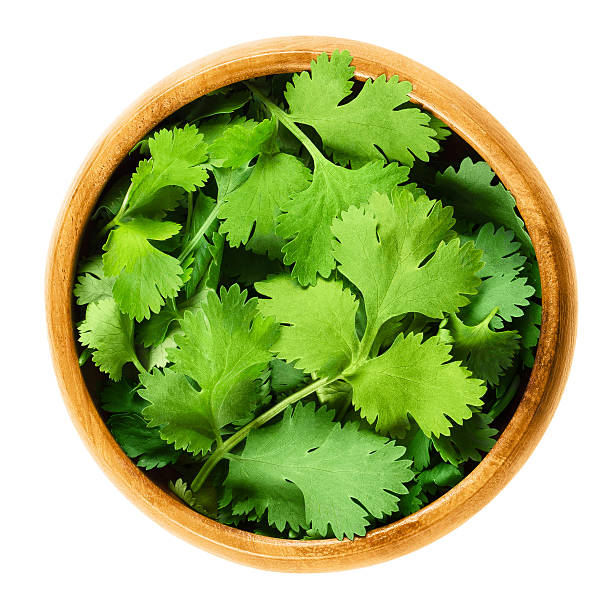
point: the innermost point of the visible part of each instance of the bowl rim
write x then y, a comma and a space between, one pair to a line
516, 171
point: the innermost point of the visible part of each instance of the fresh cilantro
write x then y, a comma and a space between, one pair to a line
301, 341
308, 471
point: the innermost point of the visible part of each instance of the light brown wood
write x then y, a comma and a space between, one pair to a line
489, 139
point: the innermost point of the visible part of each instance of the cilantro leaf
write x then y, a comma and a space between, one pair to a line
111, 336
240, 143
92, 285
145, 275
470, 192
504, 292
381, 249
416, 378
141, 442
355, 131
224, 348
285, 378
413, 501
500, 252
318, 323
306, 222
308, 471
250, 211
468, 440
418, 447
528, 326
482, 351
120, 397
208, 252
177, 159
204, 501
441, 475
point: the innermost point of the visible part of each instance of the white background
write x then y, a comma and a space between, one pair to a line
70, 540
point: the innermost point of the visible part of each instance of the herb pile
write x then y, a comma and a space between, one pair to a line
311, 302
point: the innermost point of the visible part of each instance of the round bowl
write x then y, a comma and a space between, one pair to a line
514, 168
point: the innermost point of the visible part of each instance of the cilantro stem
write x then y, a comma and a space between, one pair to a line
188, 248
241, 434
278, 113
189, 215
115, 220
138, 365
502, 403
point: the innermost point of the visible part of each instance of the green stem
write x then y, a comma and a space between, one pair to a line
117, 218
189, 214
241, 434
502, 403
138, 365
277, 112
188, 248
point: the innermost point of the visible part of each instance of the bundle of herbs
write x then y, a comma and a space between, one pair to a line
311, 302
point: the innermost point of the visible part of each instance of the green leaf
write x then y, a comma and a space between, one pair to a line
500, 252
482, 351
145, 275
177, 158
467, 441
415, 378
413, 501
306, 223
224, 347
204, 501
141, 442
92, 285
503, 292
528, 326
441, 475
318, 323
111, 336
474, 198
308, 471
381, 248
240, 143
247, 268
418, 447
251, 210
355, 131
208, 253
285, 378
215, 103
121, 397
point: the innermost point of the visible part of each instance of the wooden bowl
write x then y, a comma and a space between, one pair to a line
474, 124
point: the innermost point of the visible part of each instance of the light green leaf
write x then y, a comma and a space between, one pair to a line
240, 143
381, 247
177, 159
355, 131
308, 471
257, 203
415, 378
111, 336
92, 285
306, 224
223, 347
318, 323
145, 275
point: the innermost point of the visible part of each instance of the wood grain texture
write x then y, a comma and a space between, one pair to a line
489, 139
